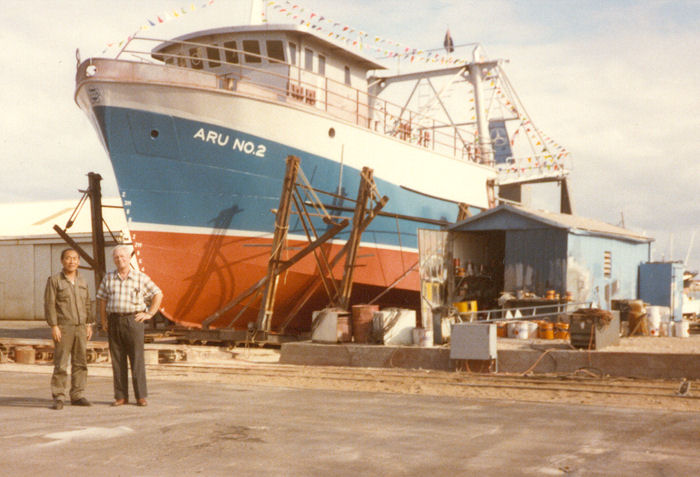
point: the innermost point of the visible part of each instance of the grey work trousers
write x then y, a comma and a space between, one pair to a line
125, 337
73, 346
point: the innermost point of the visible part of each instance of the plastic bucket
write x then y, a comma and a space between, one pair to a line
521, 329
654, 322
532, 328
362, 316
546, 330
561, 331
511, 329
682, 329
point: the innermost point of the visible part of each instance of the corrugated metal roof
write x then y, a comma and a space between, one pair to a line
34, 219
564, 221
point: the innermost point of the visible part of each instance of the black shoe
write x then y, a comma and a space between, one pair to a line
57, 405
81, 402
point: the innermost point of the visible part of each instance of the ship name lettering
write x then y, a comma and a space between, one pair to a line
249, 147
221, 139
213, 137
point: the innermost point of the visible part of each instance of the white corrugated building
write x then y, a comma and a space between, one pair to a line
30, 249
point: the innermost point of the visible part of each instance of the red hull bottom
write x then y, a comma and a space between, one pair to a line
201, 274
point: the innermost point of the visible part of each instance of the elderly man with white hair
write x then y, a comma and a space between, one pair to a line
126, 298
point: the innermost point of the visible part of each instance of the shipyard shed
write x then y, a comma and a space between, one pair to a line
521, 250
30, 249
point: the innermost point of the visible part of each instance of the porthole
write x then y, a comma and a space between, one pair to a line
331, 132
154, 134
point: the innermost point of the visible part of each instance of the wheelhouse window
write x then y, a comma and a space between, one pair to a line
275, 50
214, 57
231, 56
252, 51
308, 59
292, 53
321, 65
195, 59
347, 76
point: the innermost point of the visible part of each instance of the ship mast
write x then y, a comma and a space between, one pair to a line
257, 9
484, 150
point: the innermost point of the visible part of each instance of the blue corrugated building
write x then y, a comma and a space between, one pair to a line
534, 251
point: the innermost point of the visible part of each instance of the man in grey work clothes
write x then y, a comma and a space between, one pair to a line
68, 313
122, 301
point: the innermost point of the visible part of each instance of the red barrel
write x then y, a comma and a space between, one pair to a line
362, 322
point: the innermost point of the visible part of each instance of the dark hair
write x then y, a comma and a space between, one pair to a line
65, 250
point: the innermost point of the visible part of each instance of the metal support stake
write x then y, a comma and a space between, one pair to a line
98, 238
565, 204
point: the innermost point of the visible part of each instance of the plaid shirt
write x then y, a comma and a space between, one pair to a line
128, 295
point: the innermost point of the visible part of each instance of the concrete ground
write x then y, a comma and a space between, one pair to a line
196, 427
214, 423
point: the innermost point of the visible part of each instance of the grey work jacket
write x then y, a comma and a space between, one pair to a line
66, 303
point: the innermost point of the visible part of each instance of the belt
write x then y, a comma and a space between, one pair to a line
123, 314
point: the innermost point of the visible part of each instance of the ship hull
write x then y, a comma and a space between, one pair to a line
199, 173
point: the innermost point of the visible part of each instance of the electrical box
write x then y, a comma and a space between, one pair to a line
585, 333
473, 341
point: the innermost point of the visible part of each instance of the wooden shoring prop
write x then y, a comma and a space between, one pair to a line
321, 258
464, 212
276, 266
278, 239
364, 194
313, 284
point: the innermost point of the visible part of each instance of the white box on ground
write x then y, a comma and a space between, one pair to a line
473, 341
394, 326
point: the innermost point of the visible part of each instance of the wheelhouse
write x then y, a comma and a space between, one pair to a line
280, 61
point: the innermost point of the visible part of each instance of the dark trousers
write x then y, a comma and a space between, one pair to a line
126, 341
73, 346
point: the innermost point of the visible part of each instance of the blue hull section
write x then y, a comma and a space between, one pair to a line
184, 173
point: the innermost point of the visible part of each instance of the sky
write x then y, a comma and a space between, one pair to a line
616, 82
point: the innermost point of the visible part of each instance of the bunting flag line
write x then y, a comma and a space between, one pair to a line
549, 153
158, 19
349, 36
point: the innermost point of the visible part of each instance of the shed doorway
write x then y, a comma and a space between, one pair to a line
479, 259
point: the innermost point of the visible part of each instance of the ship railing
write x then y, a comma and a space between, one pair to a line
284, 82
548, 311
